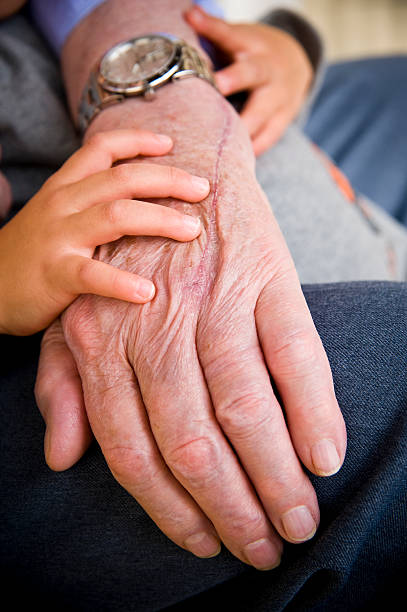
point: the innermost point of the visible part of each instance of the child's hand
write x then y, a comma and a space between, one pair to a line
269, 63
46, 249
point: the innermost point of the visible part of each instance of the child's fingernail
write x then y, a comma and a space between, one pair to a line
163, 139
201, 183
193, 223
145, 289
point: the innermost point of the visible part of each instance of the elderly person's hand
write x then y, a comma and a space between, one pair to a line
265, 61
178, 391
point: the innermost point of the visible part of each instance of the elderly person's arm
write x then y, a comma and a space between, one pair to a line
177, 392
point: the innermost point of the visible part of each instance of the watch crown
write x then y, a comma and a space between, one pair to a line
149, 94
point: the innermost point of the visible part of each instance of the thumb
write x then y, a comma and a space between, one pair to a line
58, 392
218, 31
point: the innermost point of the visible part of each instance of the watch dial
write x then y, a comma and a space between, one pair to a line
137, 60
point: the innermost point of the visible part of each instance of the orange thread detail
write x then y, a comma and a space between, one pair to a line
338, 176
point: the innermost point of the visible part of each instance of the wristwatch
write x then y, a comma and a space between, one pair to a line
137, 67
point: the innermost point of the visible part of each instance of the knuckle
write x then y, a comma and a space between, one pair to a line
84, 332
284, 273
259, 74
42, 390
52, 182
83, 271
53, 351
246, 527
123, 173
77, 320
246, 415
131, 467
288, 489
178, 177
243, 73
115, 277
56, 199
97, 141
115, 212
170, 215
174, 175
196, 462
296, 353
166, 219
53, 337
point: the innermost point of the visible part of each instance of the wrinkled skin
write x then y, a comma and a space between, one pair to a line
177, 392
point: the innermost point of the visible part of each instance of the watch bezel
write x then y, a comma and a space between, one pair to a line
154, 80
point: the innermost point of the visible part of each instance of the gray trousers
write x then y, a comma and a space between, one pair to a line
76, 541
368, 142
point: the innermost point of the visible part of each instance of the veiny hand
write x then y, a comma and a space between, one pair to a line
267, 62
46, 250
177, 391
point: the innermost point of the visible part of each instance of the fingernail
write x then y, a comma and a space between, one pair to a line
203, 545
299, 524
202, 184
164, 139
193, 223
262, 554
145, 289
325, 458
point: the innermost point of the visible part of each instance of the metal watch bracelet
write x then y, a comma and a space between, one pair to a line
96, 98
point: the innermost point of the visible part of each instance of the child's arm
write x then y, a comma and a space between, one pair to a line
271, 64
8, 7
46, 250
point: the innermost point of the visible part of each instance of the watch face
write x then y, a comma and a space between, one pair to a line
137, 60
